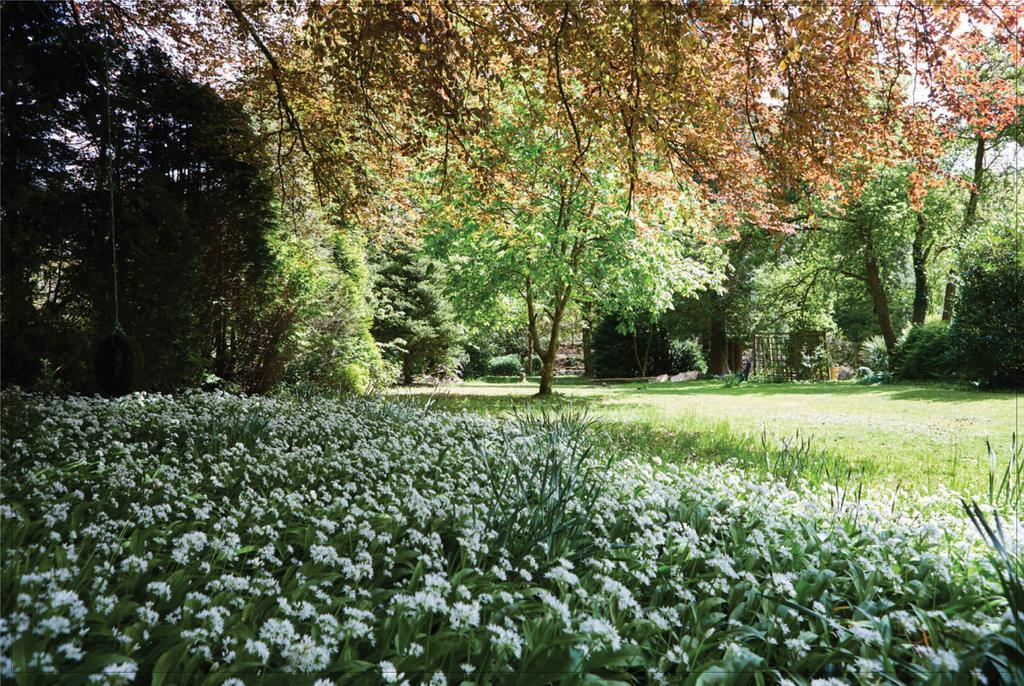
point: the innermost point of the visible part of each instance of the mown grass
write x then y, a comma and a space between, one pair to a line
919, 436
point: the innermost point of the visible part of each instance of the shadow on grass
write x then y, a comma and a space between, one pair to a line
937, 392
948, 394
789, 459
507, 391
634, 423
451, 400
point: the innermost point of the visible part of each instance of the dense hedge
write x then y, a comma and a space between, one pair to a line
987, 335
687, 356
618, 355
482, 346
505, 365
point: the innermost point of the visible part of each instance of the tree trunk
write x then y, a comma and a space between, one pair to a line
647, 353
949, 297
636, 353
970, 213
920, 260
642, 361
588, 360
876, 289
549, 357
529, 353
717, 354
407, 374
735, 354
547, 370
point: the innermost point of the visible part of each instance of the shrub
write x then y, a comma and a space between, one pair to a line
414, 322
473, 362
482, 345
924, 353
353, 378
687, 356
505, 365
987, 335
875, 354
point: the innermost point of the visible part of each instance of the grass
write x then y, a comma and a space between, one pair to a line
925, 436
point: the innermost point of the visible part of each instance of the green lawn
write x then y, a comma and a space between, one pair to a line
929, 436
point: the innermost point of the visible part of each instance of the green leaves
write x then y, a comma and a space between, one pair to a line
369, 539
740, 666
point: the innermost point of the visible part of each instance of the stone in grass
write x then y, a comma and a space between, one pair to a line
685, 376
660, 378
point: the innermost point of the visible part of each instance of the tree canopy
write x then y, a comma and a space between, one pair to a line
740, 164
755, 102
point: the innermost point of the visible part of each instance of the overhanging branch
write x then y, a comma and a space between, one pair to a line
275, 73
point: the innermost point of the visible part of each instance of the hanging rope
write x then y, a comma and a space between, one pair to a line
110, 187
117, 356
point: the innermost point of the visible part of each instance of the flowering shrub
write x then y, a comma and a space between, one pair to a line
213, 538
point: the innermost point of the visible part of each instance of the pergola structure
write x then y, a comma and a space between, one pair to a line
794, 356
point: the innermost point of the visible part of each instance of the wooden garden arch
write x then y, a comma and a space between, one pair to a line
780, 356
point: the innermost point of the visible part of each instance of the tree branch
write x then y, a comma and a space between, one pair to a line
580, 149
275, 73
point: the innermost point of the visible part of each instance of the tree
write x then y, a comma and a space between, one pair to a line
742, 98
326, 287
980, 91
724, 317
643, 351
556, 224
878, 250
192, 204
413, 322
987, 334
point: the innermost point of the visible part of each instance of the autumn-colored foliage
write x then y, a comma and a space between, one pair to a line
759, 103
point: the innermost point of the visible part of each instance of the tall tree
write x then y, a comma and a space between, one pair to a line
979, 89
192, 205
723, 318
743, 98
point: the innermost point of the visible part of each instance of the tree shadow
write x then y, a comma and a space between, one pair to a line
451, 399
934, 393
493, 394
950, 395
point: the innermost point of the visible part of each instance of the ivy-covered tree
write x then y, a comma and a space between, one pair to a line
414, 324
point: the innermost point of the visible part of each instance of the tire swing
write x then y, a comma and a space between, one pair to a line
118, 360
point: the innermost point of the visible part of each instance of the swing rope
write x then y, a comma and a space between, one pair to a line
117, 360
110, 188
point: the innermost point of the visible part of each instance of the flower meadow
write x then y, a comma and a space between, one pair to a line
217, 539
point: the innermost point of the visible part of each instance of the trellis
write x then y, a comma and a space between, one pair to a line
795, 356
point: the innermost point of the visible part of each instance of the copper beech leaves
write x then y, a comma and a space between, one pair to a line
754, 103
